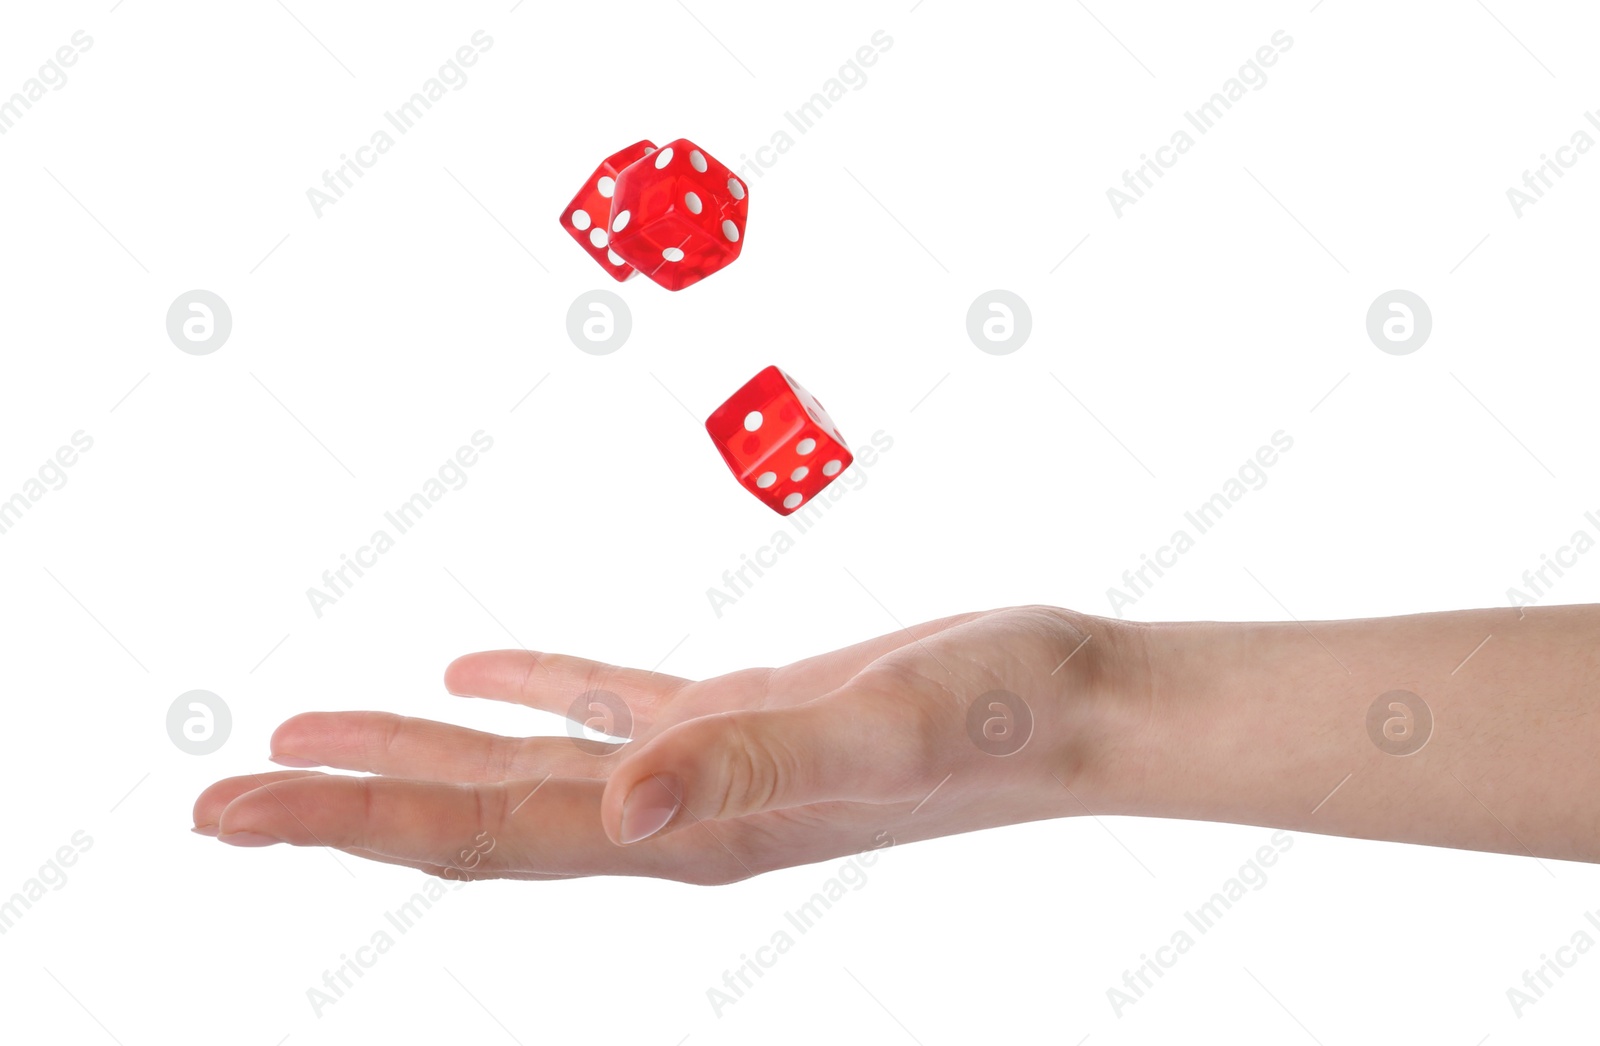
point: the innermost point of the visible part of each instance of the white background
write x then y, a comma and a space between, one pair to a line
1227, 304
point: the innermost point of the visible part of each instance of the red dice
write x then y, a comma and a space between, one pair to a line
588, 216
778, 440
678, 215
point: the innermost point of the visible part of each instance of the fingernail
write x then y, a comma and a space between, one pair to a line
204, 829
294, 761
649, 807
248, 839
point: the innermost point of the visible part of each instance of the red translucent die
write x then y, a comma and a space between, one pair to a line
778, 441
678, 215
588, 216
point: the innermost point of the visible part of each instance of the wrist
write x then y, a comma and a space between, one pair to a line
1167, 713
1272, 724
1251, 722
1100, 720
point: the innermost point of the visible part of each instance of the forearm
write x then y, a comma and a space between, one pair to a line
1269, 724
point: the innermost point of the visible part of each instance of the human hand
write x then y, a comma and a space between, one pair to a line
722, 779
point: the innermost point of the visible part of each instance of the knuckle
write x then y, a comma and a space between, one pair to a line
385, 738
489, 808
920, 745
482, 855
752, 770
911, 718
365, 806
501, 757
1038, 616
525, 687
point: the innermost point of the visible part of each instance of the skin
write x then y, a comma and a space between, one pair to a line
764, 768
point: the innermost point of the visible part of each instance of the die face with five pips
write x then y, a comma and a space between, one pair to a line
678, 215
675, 213
778, 440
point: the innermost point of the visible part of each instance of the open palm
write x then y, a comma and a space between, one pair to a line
721, 779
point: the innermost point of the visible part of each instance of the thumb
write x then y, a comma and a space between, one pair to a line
839, 747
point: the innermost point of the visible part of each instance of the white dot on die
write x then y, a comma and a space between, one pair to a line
735, 188
580, 219
793, 500
607, 185
752, 421
800, 473
691, 201
598, 237
620, 222
616, 259
766, 479
730, 230
805, 446
831, 468
672, 254
697, 161
664, 157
